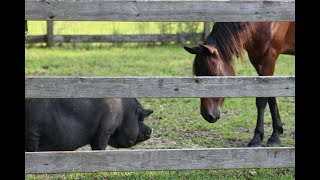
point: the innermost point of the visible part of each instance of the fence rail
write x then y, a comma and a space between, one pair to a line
106, 87
158, 159
161, 10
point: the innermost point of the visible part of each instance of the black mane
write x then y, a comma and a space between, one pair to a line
230, 38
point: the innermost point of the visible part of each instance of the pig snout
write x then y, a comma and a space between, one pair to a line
144, 133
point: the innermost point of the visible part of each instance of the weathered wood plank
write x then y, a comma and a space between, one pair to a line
119, 38
159, 159
125, 87
161, 10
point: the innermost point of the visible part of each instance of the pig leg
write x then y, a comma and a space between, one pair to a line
101, 139
32, 142
100, 142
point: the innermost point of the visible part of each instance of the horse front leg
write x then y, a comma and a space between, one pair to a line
261, 103
274, 139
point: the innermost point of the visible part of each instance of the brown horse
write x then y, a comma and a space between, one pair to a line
263, 41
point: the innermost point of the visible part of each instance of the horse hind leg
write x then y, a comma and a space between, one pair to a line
274, 139
261, 103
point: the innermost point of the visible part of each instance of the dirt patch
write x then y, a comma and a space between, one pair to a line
290, 133
233, 142
243, 130
199, 133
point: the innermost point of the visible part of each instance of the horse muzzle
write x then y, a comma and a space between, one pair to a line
211, 118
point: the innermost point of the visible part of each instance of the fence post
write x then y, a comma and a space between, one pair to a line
206, 29
50, 42
25, 29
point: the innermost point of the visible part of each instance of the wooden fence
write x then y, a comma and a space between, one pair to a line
161, 10
146, 10
155, 87
159, 159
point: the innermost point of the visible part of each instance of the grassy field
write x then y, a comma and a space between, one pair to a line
177, 122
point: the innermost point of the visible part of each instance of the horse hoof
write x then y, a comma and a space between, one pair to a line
273, 143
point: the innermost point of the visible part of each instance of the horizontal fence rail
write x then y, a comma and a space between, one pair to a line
159, 159
117, 38
161, 10
158, 87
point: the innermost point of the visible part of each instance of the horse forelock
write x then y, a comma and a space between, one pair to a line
209, 66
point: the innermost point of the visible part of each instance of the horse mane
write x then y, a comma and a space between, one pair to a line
230, 38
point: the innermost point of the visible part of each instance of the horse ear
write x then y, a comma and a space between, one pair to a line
209, 49
192, 50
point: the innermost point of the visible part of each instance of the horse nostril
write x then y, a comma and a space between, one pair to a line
213, 118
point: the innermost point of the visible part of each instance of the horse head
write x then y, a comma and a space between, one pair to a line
208, 62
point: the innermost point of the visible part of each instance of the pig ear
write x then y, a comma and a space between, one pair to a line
146, 112
143, 113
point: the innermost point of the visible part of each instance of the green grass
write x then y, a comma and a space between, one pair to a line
263, 174
112, 61
177, 122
